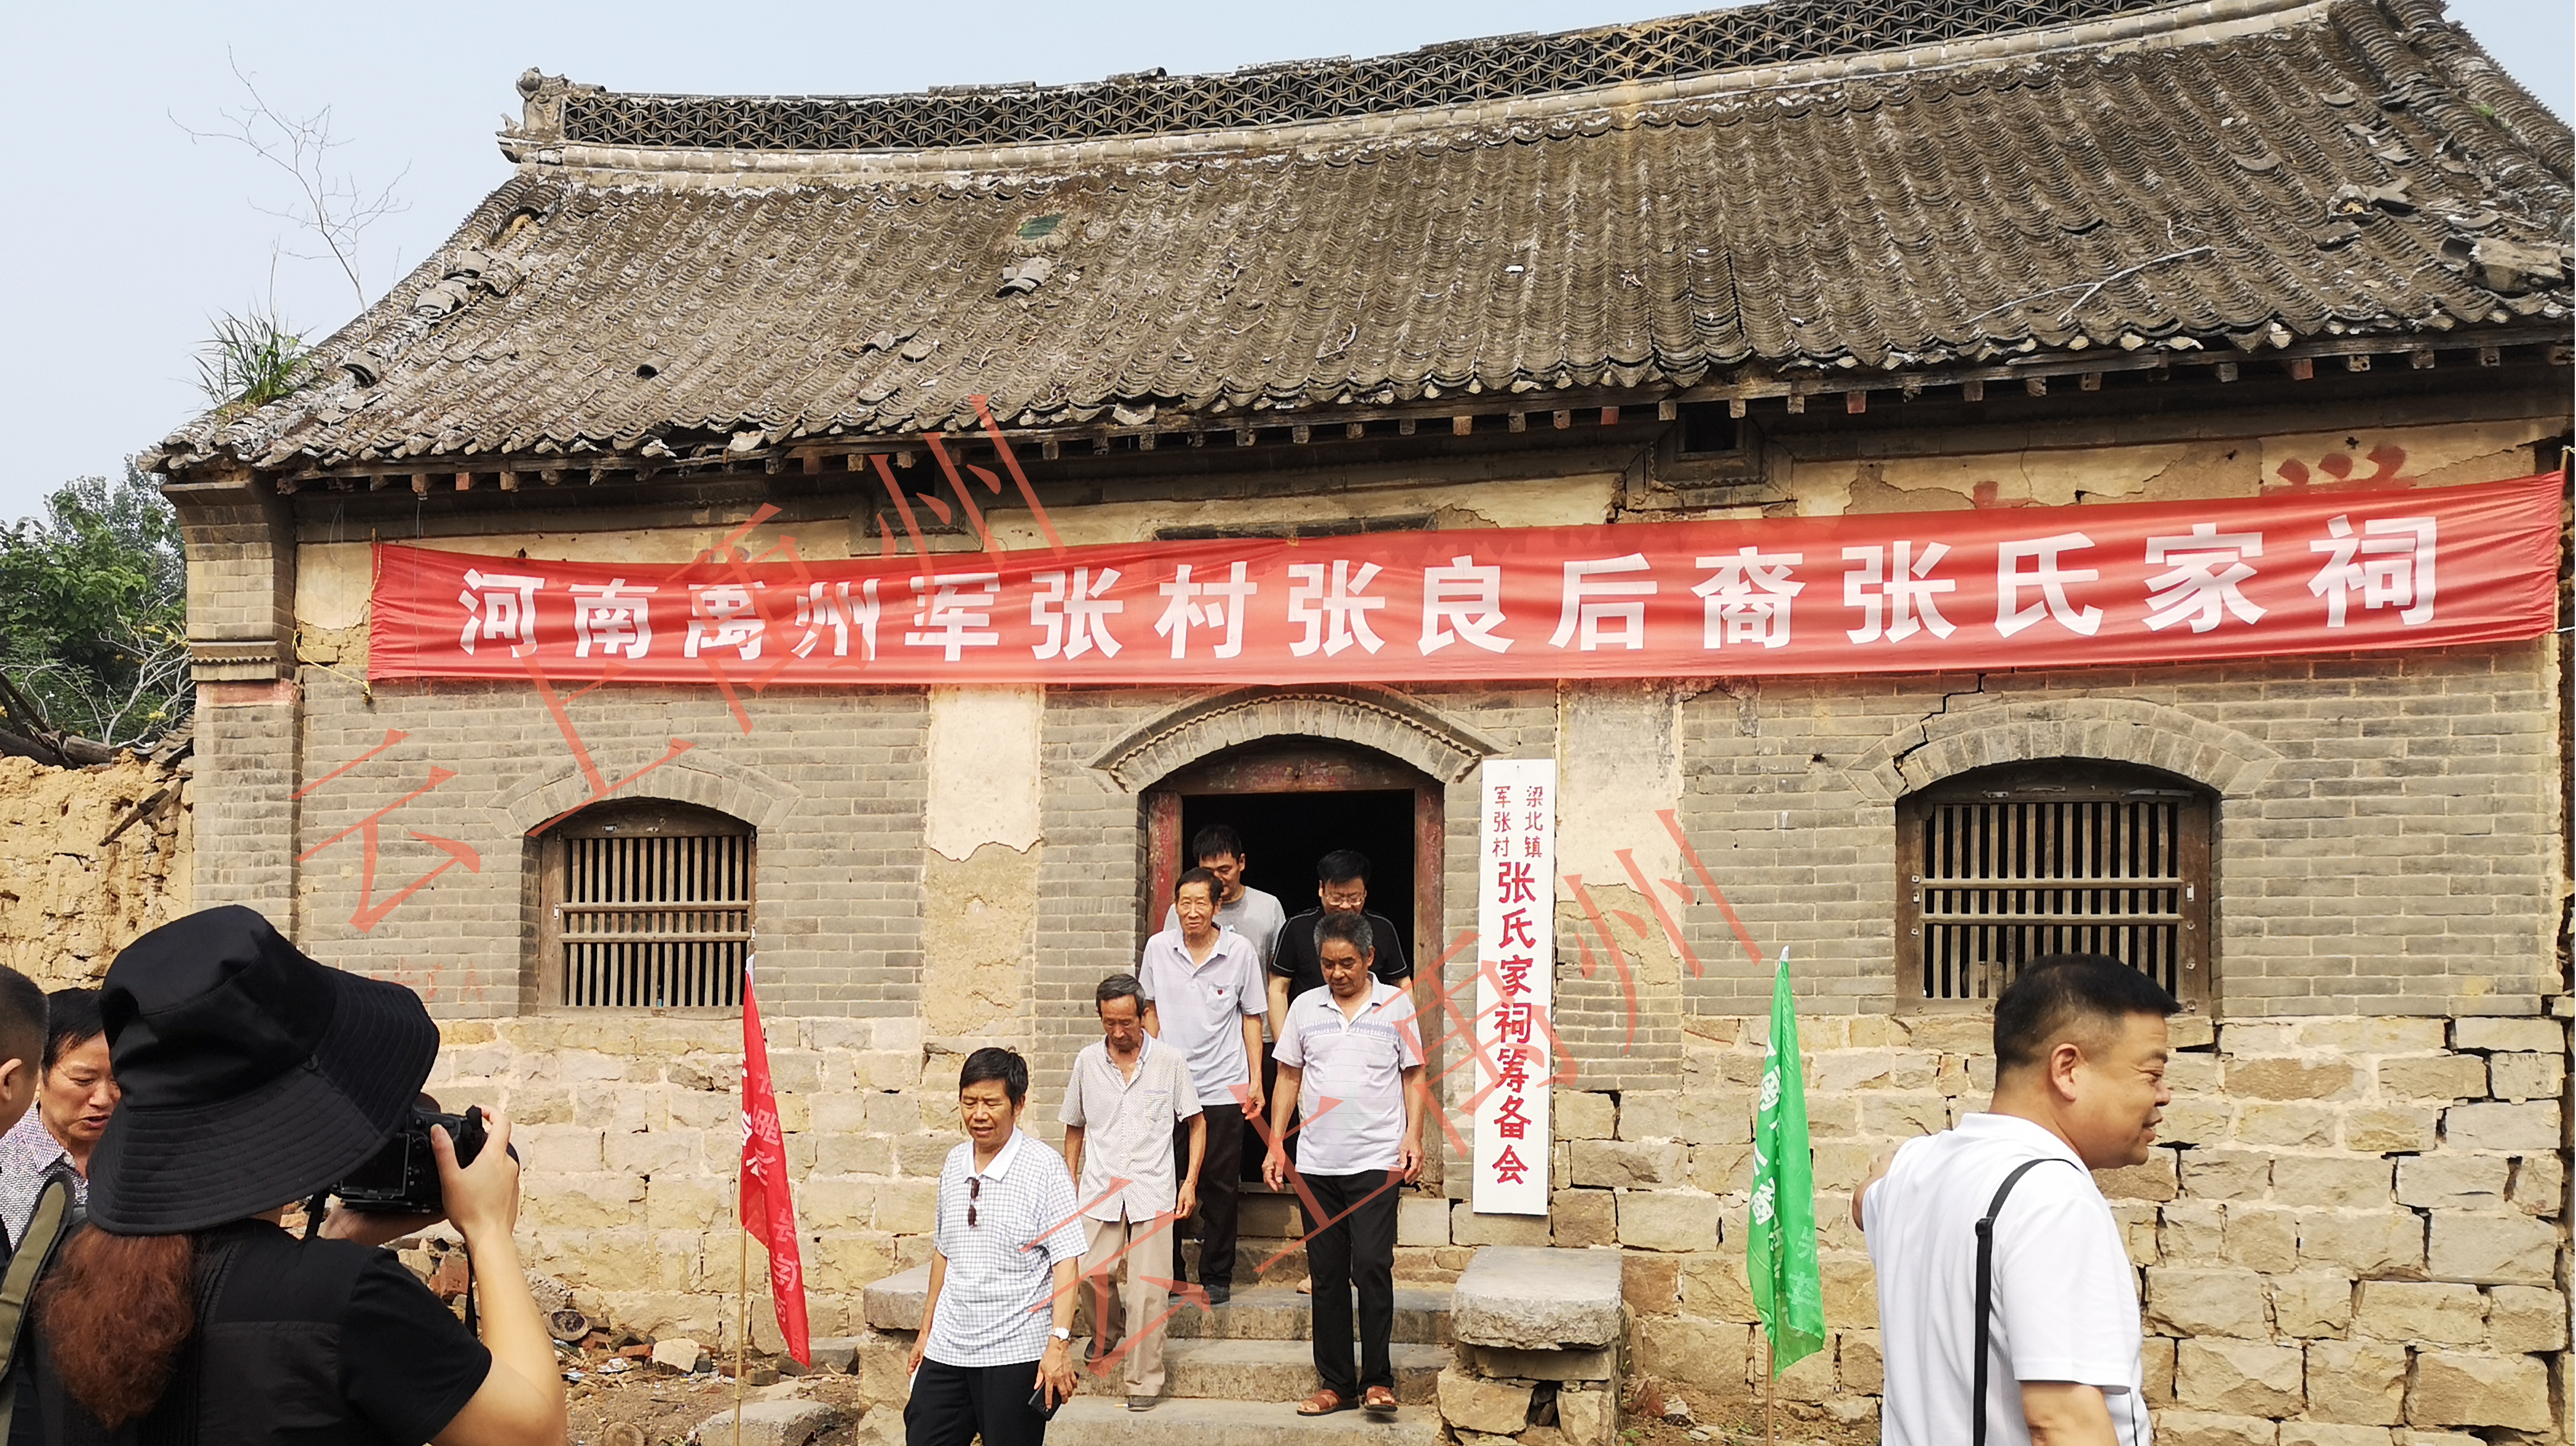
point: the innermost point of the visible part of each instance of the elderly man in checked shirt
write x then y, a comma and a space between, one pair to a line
1002, 1265
1129, 1093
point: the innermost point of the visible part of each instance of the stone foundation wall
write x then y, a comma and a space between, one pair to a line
2351, 1222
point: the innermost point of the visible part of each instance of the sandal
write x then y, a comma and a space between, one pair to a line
1379, 1401
1324, 1403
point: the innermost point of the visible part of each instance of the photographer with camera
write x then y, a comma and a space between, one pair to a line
253, 1079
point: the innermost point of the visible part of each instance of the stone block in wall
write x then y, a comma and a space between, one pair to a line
1902, 1115
560, 1149
1650, 1284
1466, 1227
2526, 1076
2294, 1125
895, 1302
1720, 1169
1668, 1220
2244, 1378
2391, 1129
2311, 1303
1612, 1164
2290, 1079
2158, 1178
2263, 1238
2539, 1185
2492, 1249
1860, 1364
1850, 1287
2191, 1232
2332, 1180
1692, 1117
1584, 1217
1421, 1220
1587, 1417
1715, 1284
922, 1156
2462, 1388
2191, 1303
2420, 1311
2359, 1383
2515, 1129
1582, 1115
1598, 1363
1537, 1299
2156, 1370
2226, 1174
2205, 1121
2213, 1428
2433, 1077
2365, 1242
1472, 1403
2371, 1034
2526, 1318
2521, 1036
2323, 1433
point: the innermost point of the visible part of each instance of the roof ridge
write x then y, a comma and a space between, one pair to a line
1448, 74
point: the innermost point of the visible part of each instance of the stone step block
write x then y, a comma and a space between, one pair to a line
1279, 1371
1537, 1298
1279, 1313
1092, 1420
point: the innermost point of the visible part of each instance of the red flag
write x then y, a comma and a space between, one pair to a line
768, 1211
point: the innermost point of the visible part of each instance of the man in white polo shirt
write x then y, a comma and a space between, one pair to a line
1127, 1095
1354, 1043
2080, 1050
1203, 996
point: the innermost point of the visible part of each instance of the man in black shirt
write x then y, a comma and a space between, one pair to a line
1341, 885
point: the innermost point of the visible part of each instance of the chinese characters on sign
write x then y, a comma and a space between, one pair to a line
1516, 982
1896, 592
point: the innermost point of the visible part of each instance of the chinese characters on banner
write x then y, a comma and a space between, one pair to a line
1516, 982
1892, 592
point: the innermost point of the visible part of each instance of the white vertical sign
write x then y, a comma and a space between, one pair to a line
1515, 982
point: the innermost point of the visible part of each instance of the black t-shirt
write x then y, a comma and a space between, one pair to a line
313, 1341
1303, 967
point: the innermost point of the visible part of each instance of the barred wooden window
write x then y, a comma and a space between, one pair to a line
2010, 864
647, 906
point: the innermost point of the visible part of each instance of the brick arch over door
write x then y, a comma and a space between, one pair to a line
1975, 733
1370, 717
746, 793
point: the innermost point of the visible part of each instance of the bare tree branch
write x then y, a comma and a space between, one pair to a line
334, 208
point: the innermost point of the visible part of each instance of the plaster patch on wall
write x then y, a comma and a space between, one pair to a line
978, 939
1574, 501
2455, 453
332, 580
1618, 761
984, 768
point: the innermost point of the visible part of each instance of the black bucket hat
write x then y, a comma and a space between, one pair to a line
252, 1076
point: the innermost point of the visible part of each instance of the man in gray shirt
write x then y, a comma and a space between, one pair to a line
1247, 911
1128, 1092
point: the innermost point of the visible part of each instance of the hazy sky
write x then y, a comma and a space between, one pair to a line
131, 236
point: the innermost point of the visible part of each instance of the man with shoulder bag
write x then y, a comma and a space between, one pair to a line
2008, 1307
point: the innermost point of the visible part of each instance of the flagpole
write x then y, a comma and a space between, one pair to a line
741, 1324
1770, 1392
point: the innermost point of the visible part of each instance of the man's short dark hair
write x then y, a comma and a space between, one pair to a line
22, 1018
2062, 992
1216, 841
1119, 986
1341, 866
1197, 876
1351, 929
71, 1020
993, 1062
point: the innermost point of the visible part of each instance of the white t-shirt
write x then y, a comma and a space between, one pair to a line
2065, 1294
1359, 1064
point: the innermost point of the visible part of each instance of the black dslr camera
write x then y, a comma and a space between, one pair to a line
402, 1178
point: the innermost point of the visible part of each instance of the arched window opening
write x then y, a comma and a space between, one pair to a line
2004, 865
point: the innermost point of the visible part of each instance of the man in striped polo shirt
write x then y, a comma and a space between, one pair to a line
1353, 1043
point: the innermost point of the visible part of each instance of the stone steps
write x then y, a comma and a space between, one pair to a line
1091, 1420
1273, 1371
1279, 1313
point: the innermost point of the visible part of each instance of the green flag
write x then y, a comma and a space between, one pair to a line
1780, 1251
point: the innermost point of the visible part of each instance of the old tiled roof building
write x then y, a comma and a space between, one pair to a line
1792, 261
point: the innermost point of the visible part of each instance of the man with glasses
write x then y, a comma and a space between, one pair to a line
995, 1357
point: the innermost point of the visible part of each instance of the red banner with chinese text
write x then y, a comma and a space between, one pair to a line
2313, 571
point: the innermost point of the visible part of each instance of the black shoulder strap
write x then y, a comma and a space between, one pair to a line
1986, 1287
